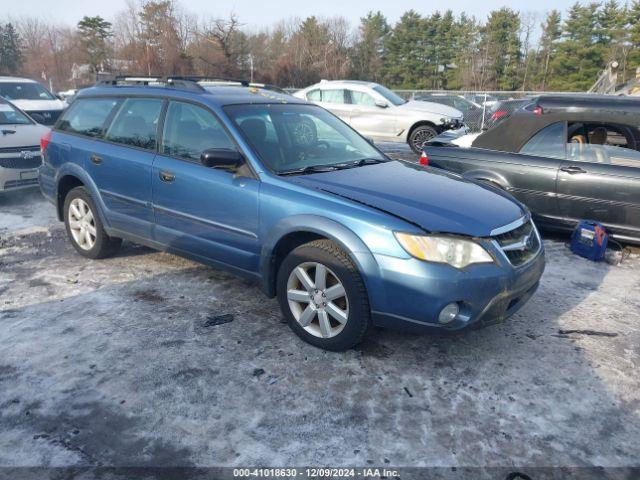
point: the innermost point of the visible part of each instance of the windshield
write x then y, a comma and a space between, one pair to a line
24, 91
389, 95
291, 138
9, 115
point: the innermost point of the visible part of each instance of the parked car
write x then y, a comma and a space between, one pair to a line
33, 98
19, 148
281, 191
482, 99
504, 108
379, 114
566, 157
471, 111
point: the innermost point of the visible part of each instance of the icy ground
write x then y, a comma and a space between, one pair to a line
111, 363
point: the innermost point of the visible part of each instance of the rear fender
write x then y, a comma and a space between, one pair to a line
78, 172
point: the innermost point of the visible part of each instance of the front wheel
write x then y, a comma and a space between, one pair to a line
84, 227
419, 135
323, 297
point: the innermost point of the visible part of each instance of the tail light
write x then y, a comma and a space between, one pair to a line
498, 114
44, 141
424, 160
538, 110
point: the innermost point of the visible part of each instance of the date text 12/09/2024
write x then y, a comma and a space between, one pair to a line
314, 473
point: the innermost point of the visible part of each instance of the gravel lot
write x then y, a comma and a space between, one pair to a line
112, 362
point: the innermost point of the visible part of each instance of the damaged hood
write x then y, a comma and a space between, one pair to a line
432, 107
435, 200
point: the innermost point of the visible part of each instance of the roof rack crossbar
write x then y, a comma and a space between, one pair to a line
184, 83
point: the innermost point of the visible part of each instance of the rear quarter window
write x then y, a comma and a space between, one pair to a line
87, 116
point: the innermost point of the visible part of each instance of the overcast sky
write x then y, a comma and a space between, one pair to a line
266, 12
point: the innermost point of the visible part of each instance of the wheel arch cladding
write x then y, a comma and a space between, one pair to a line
71, 177
294, 231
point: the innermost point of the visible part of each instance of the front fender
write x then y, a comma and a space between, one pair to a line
337, 232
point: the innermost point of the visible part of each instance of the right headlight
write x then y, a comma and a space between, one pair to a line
457, 252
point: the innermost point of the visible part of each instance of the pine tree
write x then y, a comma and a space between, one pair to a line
405, 53
94, 33
368, 50
502, 49
551, 31
10, 53
580, 53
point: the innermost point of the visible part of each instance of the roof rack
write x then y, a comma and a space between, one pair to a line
185, 83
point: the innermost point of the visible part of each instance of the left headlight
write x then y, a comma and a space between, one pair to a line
456, 252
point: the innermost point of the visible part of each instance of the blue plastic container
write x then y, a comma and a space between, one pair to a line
589, 240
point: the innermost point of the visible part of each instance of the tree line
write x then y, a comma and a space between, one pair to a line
509, 50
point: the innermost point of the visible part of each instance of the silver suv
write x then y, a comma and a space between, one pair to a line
378, 113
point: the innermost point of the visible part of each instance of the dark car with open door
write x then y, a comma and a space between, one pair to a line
566, 157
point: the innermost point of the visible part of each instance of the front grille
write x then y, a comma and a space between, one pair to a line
34, 148
519, 245
20, 183
21, 163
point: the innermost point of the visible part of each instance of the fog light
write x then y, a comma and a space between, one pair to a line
448, 313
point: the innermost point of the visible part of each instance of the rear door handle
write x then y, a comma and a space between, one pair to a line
95, 159
166, 176
573, 170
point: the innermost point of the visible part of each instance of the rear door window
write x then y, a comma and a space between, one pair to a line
548, 142
87, 116
189, 130
333, 96
362, 98
136, 123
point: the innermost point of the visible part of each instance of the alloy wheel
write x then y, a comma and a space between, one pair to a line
82, 224
421, 137
317, 299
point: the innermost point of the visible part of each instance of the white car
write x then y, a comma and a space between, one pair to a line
19, 148
33, 98
381, 115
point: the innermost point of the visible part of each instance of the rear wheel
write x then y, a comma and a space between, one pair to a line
84, 227
419, 135
322, 296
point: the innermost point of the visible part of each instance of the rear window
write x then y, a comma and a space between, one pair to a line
87, 116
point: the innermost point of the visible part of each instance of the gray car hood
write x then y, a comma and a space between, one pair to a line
431, 107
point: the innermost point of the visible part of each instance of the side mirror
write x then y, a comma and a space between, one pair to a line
221, 158
381, 104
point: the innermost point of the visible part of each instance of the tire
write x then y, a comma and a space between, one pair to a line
304, 304
419, 135
87, 235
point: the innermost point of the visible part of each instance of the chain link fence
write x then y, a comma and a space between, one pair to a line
481, 110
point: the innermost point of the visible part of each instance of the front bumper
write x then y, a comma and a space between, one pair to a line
17, 179
415, 292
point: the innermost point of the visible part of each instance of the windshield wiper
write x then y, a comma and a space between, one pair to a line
360, 163
309, 169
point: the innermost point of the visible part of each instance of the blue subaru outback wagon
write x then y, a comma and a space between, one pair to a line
281, 191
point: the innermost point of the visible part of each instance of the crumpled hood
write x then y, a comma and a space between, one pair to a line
432, 107
22, 136
435, 200
39, 105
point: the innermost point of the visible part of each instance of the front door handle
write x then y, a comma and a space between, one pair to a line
96, 159
166, 176
573, 170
